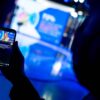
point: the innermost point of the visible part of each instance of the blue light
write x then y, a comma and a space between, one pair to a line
66, 0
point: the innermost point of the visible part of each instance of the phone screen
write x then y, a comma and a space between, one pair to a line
7, 38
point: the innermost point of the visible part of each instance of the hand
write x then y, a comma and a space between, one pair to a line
16, 68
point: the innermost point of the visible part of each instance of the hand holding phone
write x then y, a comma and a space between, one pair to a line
15, 71
22, 87
7, 39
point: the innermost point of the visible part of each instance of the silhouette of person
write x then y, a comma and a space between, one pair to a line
86, 51
22, 87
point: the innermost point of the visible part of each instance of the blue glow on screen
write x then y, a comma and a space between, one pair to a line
39, 26
67, 0
51, 25
6, 36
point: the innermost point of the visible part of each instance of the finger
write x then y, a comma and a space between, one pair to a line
16, 49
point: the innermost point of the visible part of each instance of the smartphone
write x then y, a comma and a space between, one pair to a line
7, 39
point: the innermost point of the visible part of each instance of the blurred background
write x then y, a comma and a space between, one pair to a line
45, 33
